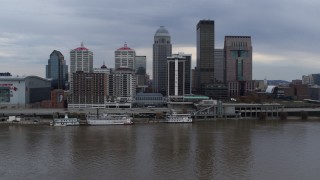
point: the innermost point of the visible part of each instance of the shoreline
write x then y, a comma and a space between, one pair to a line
46, 122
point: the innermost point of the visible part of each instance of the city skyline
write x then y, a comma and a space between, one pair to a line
284, 34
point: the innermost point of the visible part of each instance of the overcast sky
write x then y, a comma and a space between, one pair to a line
285, 33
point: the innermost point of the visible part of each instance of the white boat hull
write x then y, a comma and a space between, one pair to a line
179, 118
65, 122
107, 122
107, 119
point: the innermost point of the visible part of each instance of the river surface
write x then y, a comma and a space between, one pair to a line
233, 149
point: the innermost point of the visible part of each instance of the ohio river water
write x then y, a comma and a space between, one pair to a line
234, 149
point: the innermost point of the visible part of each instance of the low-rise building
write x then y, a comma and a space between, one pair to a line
22, 92
150, 99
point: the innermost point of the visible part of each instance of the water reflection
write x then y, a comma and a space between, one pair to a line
239, 149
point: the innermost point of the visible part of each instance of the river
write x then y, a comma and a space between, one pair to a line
232, 149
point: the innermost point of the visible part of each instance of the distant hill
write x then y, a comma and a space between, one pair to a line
277, 82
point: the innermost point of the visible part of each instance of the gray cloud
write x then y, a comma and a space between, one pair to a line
32, 29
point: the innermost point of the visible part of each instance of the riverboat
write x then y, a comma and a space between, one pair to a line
108, 119
66, 121
178, 118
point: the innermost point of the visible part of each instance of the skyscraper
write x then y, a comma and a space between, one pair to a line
141, 66
205, 54
238, 60
162, 49
81, 59
57, 70
141, 62
125, 57
219, 67
179, 75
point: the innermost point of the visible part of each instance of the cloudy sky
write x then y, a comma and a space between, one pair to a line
285, 33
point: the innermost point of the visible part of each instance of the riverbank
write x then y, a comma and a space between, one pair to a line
38, 121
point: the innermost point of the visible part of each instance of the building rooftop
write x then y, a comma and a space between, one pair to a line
195, 97
162, 31
20, 78
81, 48
125, 47
150, 94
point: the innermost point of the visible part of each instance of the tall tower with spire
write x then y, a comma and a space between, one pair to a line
162, 49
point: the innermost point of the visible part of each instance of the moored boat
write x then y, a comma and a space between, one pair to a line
108, 119
66, 121
178, 118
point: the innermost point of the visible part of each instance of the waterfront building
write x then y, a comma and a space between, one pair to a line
216, 91
125, 57
150, 99
58, 99
57, 70
314, 93
122, 87
23, 92
241, 88
162, 49
205, 54
179, 75
89, 90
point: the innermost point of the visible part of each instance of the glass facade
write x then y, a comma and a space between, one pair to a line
57, 70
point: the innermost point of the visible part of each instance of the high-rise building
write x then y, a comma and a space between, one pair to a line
238, 60
307, 79
141, 65
125, 57
81, 59
316, 79
179, 75
205, 54
89, 90
141, 62
122, 84
219, 67
162, 49
57, 70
